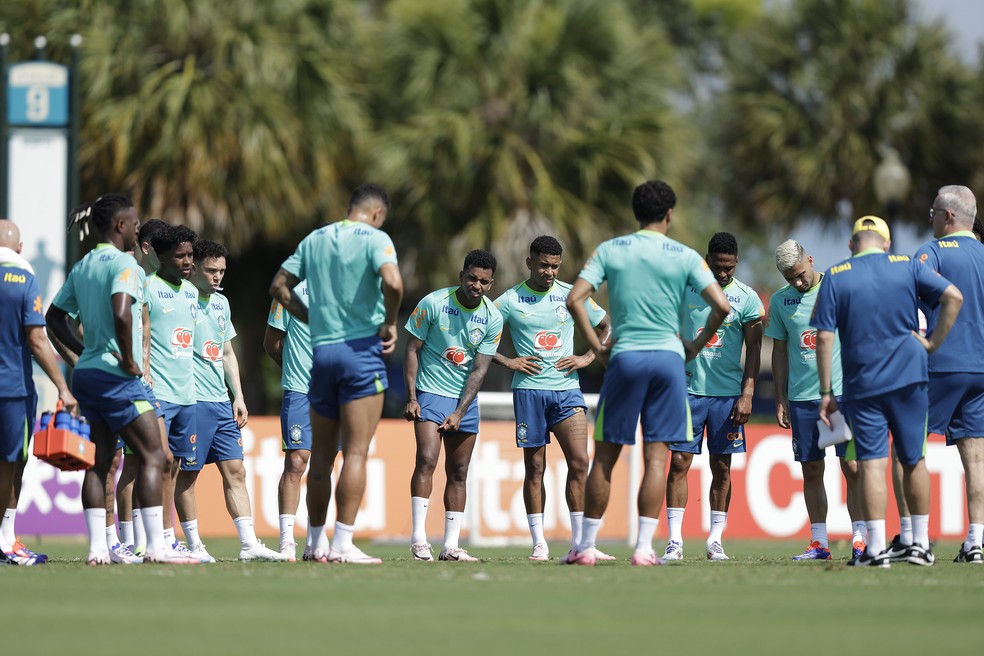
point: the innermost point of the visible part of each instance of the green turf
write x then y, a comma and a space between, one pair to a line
758, 603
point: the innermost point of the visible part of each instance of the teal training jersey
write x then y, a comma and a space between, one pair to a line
87, 294
717, 370
173, 311
648, 274
789, 320
452, 336
213, 328
540, 326
341, 263
296, 352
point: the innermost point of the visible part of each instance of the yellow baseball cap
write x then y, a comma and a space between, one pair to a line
874, 224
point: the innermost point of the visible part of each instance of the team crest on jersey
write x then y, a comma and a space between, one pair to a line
475, 336
194, 310
562, 314
222, 322
455, 356
521, 432
295, 434
547, 340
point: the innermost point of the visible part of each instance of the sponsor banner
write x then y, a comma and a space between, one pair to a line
767, 499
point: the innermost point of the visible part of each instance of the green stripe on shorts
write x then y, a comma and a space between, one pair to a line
143, 406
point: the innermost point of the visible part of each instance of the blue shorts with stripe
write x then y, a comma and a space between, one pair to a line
345, 372
181, 423
712, 415
650, 386
436, 408
904, 412
112, 400
295, 421
538, 411
804, 415
16, 423
956, 405
218, 436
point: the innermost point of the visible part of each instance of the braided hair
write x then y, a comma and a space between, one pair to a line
99, 214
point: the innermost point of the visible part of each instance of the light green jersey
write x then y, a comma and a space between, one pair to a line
540, 325
452, 335
648, 274
87, 294
717, 369
213, 328
789, 320
173, 311
341, 263
296, 353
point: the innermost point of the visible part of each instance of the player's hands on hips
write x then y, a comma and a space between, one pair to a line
782, 414
451, 423
239, 412
149, 379
690, 350
572, 363
604, 353
412, 411
741, 411
129, 366
828, 406
388, 333
65, 396
926, 344
528, 364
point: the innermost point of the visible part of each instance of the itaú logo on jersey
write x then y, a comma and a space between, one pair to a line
808, 340
547, 340
456, 356
714, 342
212, 351
181, 338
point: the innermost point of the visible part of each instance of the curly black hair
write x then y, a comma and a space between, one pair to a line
149, 229
168, 238
480, 260
723, 243
652, 200
206, 248
546, 245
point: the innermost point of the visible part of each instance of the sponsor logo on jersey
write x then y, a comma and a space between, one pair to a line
714, 342
808, 340
212, 351
15, 278
181, 338
37, 304
547, 340
455, 355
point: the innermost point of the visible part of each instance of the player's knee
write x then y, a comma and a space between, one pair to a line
577, 467
425, 464
679, 464
457, 472
812, 471
535, 468
850, 469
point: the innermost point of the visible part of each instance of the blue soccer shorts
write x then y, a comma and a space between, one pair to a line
538, 411
804, 415
219, 438
712, 415
436, 408
904, 412
112, 400
345, 372
956, 405
181, 423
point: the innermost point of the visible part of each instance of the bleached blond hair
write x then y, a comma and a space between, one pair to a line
788, 254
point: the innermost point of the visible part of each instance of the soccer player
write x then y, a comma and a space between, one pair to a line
546, 394
21, 335
288, 342
956, 385
101, 290
648, 276
720, 394
454, 332
218, 420
172, 303
356, 288
794, 369
871, 301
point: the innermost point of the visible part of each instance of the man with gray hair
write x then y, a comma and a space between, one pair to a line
794, 369
956, 387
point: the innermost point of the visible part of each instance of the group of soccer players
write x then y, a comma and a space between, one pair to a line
157, 340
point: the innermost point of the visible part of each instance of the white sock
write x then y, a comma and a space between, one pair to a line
317, 539
905, 530
536, 527
818, 533
647, 529
577, 526
343, 537
126, 528
418, 515
452, 528
244, 526
719, 520
112, 538
589, 536
190, 529
674, 524
920, 530
860, 531
152, 527
286, 530
95, 522
140, 530
876, 536
974, 534
7, 526
168, 535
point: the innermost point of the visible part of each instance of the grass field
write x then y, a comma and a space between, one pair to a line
760, 602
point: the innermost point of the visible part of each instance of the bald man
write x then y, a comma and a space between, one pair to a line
21, 335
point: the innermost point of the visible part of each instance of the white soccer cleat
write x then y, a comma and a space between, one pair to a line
170, 557
422, 551
309, 554
646, 558
120, 554
289, 551
540, 552
456, 554
601, 556
258, 551
203, 556
98, 558
354, 556
674, 551
716, 552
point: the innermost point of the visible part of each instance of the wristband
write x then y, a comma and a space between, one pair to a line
826, 391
